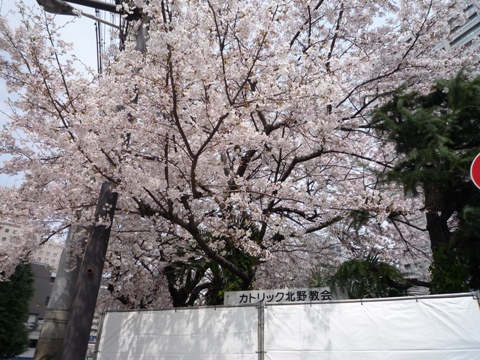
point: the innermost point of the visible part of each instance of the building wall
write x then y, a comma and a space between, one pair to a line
43, 285
48, 254
467, 33
8, 232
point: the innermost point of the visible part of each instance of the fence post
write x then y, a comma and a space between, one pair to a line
261, 330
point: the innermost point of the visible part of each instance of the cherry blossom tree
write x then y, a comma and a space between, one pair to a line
238, 138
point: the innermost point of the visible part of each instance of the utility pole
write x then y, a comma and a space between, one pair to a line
50, 341
75, 343
67, 331
63, 7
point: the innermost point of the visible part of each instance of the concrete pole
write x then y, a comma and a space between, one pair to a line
75, 343
50, 341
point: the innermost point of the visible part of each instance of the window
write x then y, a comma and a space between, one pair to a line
32, 319
52, 262
33, 343
50, 245
48, 253
46, 261
54, 254
4, 239
41, 252
14, 232
7, 230
39, 259
47, 300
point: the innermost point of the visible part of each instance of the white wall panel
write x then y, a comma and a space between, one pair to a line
427, 328
430, 328
187, 334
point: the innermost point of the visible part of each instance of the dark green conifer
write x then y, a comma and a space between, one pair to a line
15, 294
436, 137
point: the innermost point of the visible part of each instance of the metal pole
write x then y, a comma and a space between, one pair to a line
64, 8
96, 18
100, 5
99, 336
57, 314
261, 330
77, 333
136, 13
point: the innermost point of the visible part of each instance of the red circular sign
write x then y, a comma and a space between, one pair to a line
475, 171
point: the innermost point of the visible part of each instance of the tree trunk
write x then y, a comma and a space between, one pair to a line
438, 212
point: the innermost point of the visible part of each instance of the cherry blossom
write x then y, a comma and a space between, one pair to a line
251, 110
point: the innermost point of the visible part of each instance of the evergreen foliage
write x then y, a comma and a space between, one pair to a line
188, 278
15, 294
361, 278
436, 137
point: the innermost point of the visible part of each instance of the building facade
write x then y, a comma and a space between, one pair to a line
465, 34
48, 254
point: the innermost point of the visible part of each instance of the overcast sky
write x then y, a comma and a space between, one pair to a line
80, 32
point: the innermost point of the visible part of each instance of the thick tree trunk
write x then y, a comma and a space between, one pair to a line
438, 212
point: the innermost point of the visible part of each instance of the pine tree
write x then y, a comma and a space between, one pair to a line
436, 137
15, 294
364, 277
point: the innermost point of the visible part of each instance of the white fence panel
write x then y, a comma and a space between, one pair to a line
185, 334
425, 328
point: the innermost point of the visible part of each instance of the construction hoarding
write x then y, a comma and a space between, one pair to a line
427, 328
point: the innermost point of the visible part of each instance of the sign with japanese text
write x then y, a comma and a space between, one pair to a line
302, 295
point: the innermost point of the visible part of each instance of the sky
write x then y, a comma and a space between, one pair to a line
79, 31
